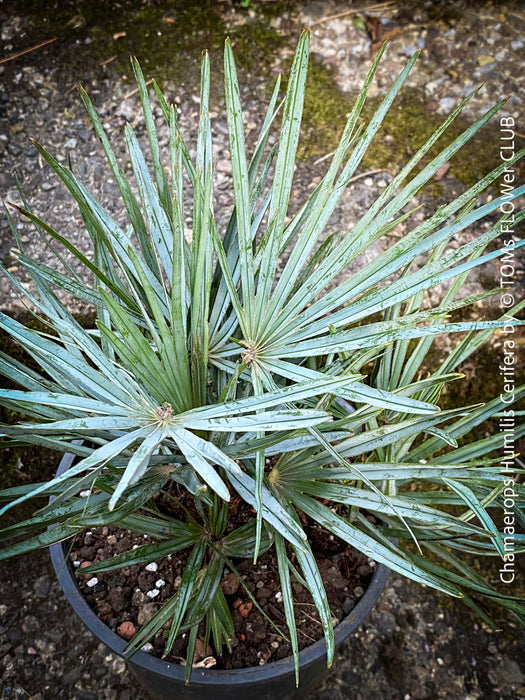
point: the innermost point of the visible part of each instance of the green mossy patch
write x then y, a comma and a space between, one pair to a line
167, 36
406, 127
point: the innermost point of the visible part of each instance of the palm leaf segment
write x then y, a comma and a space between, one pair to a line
209, 361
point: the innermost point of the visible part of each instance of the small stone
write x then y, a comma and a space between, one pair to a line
138, 597
46, 186
148, 648
508, 672
14, 634
201, 651
13, 149
358, 591
263, 593
152, 567
161, 582
127, 109
126, 630
245, 608
71, 677
230, 584
224, 166
92, 582
83, 565
485, 60
336, 579
348, 605
116, 599
386, 624
146, 613
153, 594
104, 610
446, 104
42, 586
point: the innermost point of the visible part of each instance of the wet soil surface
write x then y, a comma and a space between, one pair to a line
128, 598
414, 645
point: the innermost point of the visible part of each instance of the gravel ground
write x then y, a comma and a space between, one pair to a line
413, 645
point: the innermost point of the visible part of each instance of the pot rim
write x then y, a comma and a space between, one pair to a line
142, 659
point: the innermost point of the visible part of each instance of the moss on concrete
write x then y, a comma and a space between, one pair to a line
406, 127
167, 36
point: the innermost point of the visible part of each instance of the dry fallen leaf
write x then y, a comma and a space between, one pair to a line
208, 662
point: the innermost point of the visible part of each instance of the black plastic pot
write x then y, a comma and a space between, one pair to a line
274, 681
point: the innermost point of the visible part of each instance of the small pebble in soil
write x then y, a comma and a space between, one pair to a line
83, 566
161, 582
230, 584
152, 567
278, 596
147, 648
245, 608
152, 594
126, 630
92, 582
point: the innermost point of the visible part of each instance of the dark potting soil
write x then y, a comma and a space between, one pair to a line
127, 599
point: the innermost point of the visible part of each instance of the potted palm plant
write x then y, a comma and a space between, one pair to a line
227, 373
